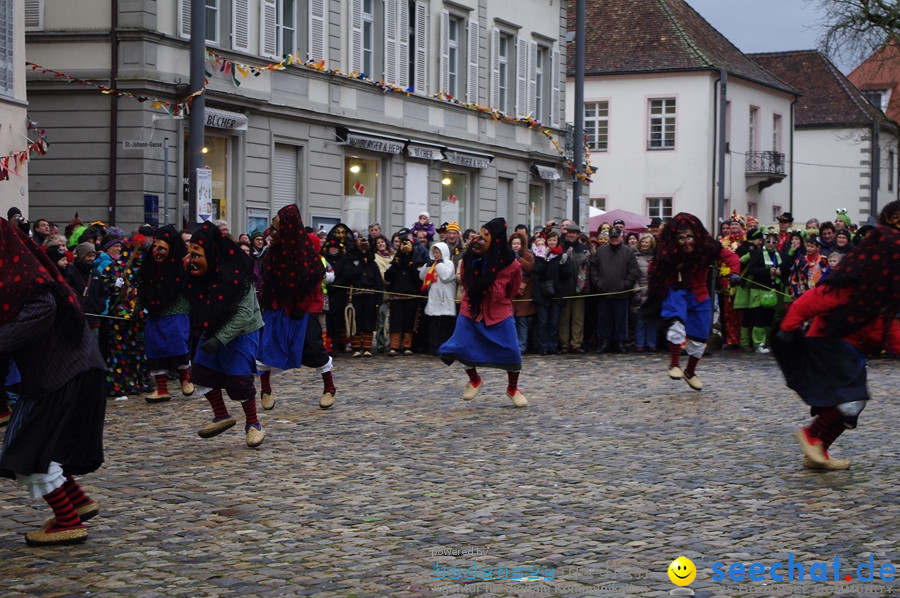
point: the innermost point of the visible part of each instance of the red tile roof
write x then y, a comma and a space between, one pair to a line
829, 98
654, 36
881, 72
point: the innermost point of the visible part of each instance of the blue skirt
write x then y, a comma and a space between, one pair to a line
237, 358
167, 336
475, 344
281, 340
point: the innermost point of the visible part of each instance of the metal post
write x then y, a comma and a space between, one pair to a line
579, 109
723, 107
198, 105
166, 180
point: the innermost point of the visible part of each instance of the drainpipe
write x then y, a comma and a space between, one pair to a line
113, 108
876, 170
791, 175
578, 153
723, 104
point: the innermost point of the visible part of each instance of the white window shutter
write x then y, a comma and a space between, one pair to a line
391, 42
421, 46
356, 36
317, 28
184, 18
521, 77
403, 44
444, 81
34, 15
240, 25
495, 69
472, 73
268, 45
285, 180
555, 92
532, 79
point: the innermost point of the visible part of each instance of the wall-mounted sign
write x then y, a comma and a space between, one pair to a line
370, 141
424, 152
140, 145
467, 159
223, 119
548, 173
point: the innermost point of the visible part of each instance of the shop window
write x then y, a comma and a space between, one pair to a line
454, 192
537, 207
360, 193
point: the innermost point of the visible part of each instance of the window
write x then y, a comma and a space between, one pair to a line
358, 208
286, 27
453, 57
502, 47
753, 131
891, 161
776, 212
454, 191
597, 202
7, 45
752, 209
662, 124
212, 21
368, 38
536, 205
540, 80
659, 207
596, 125
776, 133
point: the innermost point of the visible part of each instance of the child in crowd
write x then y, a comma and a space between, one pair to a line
423, 223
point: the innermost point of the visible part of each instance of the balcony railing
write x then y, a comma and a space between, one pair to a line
765, 163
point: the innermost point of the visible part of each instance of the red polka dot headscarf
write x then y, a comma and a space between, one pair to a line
25, 269
214, 296
291, 268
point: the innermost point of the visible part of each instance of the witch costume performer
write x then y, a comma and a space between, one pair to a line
221, 289
168, 327
678, 290
292, 274
485, 333
852, 313
56, 428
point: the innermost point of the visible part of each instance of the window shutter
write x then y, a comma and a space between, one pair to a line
317, 29
268, 46
284, 177
184, 18
532, 80
403, 44
356, 36
240, 25
521, 77
472, 74
421, 46
503, 197
556, 71
34, 15
391, 42
444, 82
495, 69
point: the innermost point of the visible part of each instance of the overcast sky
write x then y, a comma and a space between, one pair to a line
766, 25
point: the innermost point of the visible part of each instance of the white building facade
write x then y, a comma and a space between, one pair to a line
15, 134
356, 110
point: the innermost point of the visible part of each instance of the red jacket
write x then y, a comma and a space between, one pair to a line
815, 303
497, 306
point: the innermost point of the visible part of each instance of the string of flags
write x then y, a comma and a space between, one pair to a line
238, 71
13, 162
172, 108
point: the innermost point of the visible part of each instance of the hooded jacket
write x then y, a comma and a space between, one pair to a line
442, 292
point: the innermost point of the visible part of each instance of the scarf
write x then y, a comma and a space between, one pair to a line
26, 269
215, 295
160, 283
291, 268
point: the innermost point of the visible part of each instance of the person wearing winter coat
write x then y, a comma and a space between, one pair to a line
402, 284
439, 281
359, 272
614, 270
571, 318
551, 271
523, 305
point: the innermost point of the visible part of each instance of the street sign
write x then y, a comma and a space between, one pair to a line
140, 145
204, 194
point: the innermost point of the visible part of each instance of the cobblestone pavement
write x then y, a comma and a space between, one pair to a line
402, 489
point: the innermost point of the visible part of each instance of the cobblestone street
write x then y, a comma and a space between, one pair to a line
402, 489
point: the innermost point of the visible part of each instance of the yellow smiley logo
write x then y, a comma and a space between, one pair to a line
682, 571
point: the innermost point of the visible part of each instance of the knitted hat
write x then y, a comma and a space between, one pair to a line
453, 226
12, 212
55, 253
83, 249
